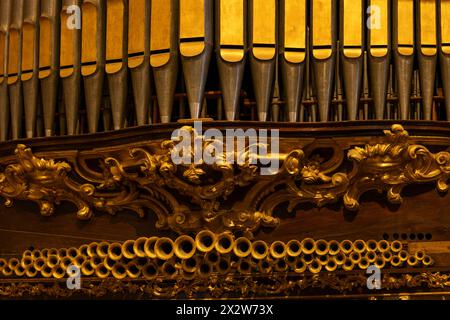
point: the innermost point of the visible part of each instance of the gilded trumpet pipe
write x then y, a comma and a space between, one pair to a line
380, 262
348, 265
383, 246
419, 254
102, 249
191, 264
363, 263
102, 271
150, 271
164, 53
3, 263
412, 261
205, 240
280, 265
108, 263
359, 246
225, 243
27, 253
92, 249
212, 257
169, 269
427, 261
128, 249
83, 249
278, 250
242, 247
315, 266
39, 263
30, 67
444, 50
61, 253
7, 271
308, 246
307, 258
164, 248
427, 52
58, 272
47, 271
331, 265
5, 15
294, 248
300, 266
115, 251
346, 246
196, 45
44, 252
265, 265
333, 247
396, 246
87, 269
95, 261
119, 271
31, 272
26, 261
339, 258
224, 265
93, 58
188, 275
322, 247
403, 255
371, 256
372, 245
355, 257
324, 259
204, 269
259, 249
65, 262
396, 261
49, 57
13, 262
184, 247
149, 247
290, 260
36, 254
72, 252
139, 247
19, 270
403, 50
79, 260
387, 256
14, 68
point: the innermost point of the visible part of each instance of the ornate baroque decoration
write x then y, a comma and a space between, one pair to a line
222, 196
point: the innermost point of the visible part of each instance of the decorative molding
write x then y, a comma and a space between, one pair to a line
222, 196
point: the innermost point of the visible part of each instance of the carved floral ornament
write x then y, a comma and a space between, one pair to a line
190, 197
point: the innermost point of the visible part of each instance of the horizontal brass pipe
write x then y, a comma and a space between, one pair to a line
149, 247
346, 246
308, 246
242, 247
359, 246
315, 266
102, 249
184, 247
119, 271
164, 248
294, 248
87, 269
225, 242
101, 271
115, 251
278, 249
149, 271
58, 272
92, 249
205, 240
128, 249
259, 249
334, 247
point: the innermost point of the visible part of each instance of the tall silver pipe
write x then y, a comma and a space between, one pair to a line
231, 47
164, 53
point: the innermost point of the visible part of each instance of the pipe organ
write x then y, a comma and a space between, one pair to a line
358, 92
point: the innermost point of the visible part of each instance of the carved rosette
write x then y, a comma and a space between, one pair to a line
223, 195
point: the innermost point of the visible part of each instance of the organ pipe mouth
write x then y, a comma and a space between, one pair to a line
26, 261
149, 247
259, 249
396, 261
380, 262
52, 260
403, 255
47, 271
139, 247
242, 247
205, 240
225, 242
83, 250
184, 247
371, 256
387, 256
323, 259
128, 249
72, 252
355, 257
278, 249
65, 262
39, 263
19, 270
339, 258
363, 263
108, 263
7, 271
164, 248
31, 272
308, 246
61, 253
13, 262
322, 247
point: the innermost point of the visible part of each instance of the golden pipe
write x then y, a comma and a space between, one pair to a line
334, 247
139, 247
242, 247
47, 271
308, 245
278, 250
13, 262
396, 246
149, 271
205, 240
149, 247
387, 256
212, 257
290, 260
280, 265
108, 263
92, 249
323, 259
346, 246
128, 249
379, 262
65, 262
191, 264
372, 245
119, 271
315, 266
204, 269
225, 242
115, 251
359, 246
427, 261
19, 270
420, 254
36, 254
61, 253
39, 263
412, 261
101, 271
78, 261
44, 253
307, 258
322, 247
188, 275
294, 248
331, 265
52, 251
141, 262
27, 253
31, 272
265, 265
382, 246
396, 261
87, 269
3, 263
52, 260
26, 261
364, 263
348, 265
339, 258
83, 250
260, 249
58, 272
244, 266
184, 247
300, 266
355, 257
102, 249
7, 271
371, 256
224, 265
169, 269
403, 255
95, 261
72, 252
164, 248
